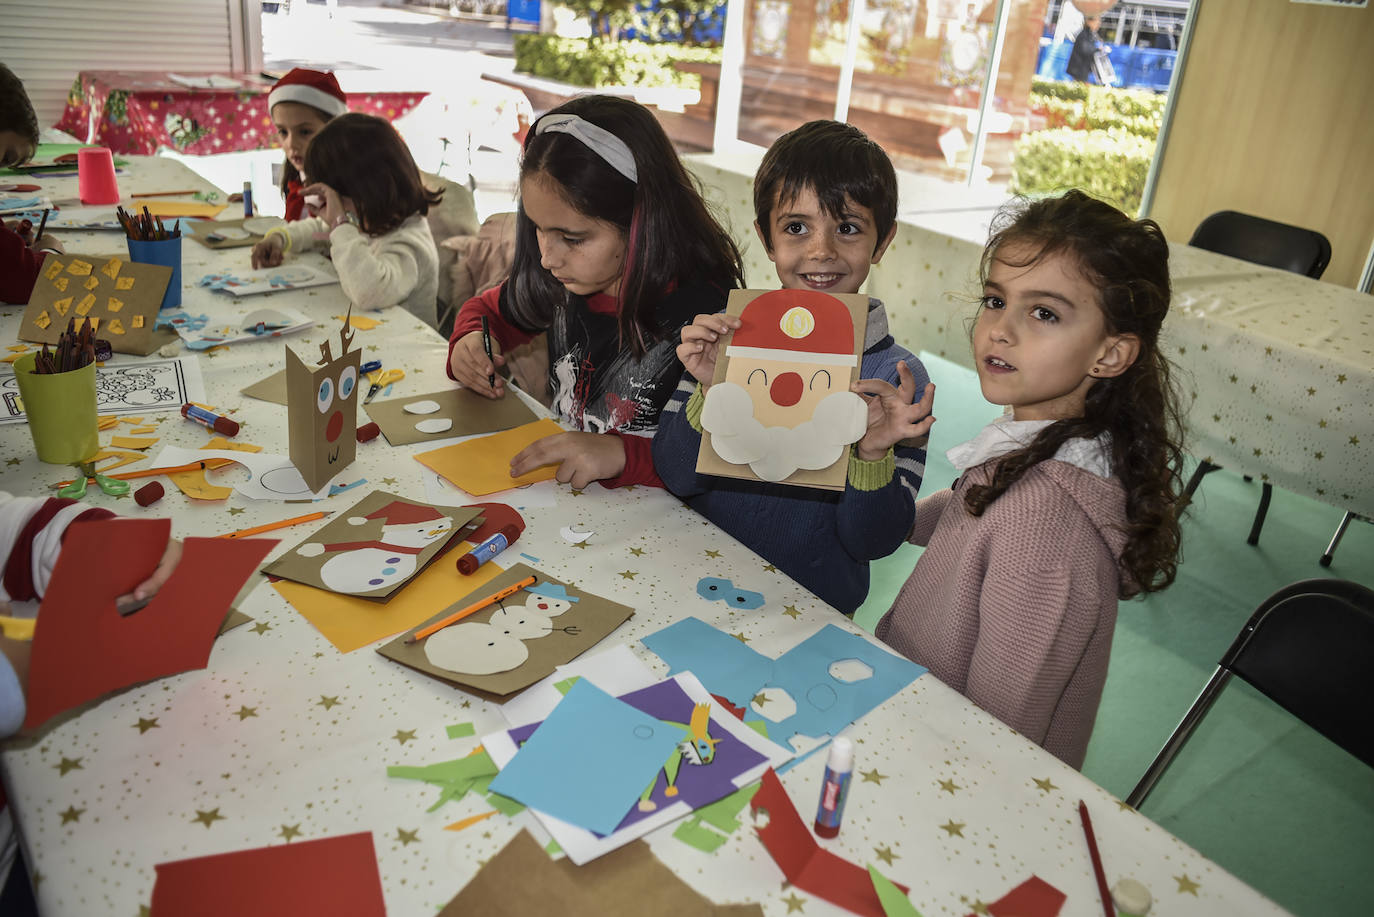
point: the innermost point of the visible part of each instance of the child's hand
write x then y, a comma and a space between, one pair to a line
581, 457
48, 243
171, 556
699, 345
892, 417
469, 364
268, 252
336, 207
15, 149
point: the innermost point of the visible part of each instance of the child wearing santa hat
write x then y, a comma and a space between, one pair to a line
300, 105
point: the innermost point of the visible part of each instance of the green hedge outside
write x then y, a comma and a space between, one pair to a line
1108, 164
588, 62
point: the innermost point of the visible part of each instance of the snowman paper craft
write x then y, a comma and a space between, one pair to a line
499, 644
779, 408
322, 410
367, 566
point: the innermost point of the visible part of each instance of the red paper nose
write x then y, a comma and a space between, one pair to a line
335, 427
786, 389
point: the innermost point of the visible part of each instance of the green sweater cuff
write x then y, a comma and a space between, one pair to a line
693, 409
871, 475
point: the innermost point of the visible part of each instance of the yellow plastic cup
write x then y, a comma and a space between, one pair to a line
61, 411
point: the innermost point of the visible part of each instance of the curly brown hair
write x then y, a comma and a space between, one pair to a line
1137, 412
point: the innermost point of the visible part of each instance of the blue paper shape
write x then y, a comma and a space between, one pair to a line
723, 664
713, 589
552, 591
589, 760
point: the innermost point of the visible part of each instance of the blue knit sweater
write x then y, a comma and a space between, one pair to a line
822, 539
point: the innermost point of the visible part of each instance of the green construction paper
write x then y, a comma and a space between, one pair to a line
723, 813
694, 834
461, 730
455, 778
759, 726
552, 848
895, 904
566, 684
504, 804
481, 784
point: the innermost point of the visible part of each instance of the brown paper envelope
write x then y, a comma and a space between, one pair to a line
470, 413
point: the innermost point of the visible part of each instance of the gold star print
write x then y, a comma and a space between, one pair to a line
759, 700
208, 818
244, 713
794, 903
1341, 378
949, 786
145, 911
576, 492
405, 837
289, 831
874, 776
1257, 452
373, 348
1321, 425
791, 611
388, 480
326, 702
1045, 784
235, 510
13, 461
1186, 885
980, 908
627, 574
404, 735
740, 637
953, 828
637, 552
145, 724
885, 854
72, 814
261, 627
1311, 391
1354, 440
769, 568
1233, 379
68, 764
1124, 806
712, 553
581, 545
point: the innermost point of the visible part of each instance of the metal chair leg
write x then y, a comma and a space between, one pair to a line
1203, 469
1179, 738
1260, 512
1336, 539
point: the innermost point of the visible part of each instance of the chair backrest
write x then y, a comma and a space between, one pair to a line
1310, 648
1261, 241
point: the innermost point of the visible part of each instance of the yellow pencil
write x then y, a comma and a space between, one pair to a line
272, 526
475, 607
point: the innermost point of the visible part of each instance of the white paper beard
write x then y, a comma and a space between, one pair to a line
773, 453
475, 649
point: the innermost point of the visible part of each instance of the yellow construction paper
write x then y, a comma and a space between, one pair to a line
18, 348
61, 284
194, 484
114, 305
53, 269
104, 423
181, 208
125, 458
124, 283
62, 305
84, 307
79, 268
111, 268
137, 322
131, 421
115, 326
361, 322
349, 622
19, 628
151, 428
91, 282
133, 442
482, 466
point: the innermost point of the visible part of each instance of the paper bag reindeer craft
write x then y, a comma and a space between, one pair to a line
322, 410
779, 408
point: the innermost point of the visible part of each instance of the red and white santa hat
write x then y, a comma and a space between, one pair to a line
397, 513
316, 88
798, 326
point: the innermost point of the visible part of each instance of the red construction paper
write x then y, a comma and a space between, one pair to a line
495, 517
1032, 898
333, 875
83, 648
802, 860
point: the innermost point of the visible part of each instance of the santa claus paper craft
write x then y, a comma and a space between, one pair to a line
376, 547
779, 408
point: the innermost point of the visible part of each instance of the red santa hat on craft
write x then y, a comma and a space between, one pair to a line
315, 88
796, 326
399, 519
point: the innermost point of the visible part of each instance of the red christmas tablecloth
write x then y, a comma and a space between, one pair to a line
140, 111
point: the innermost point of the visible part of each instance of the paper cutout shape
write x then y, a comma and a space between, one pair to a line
779, 408
200, 333
803, 861
722, 815
133, 442
578, 629
586, 762
434, 425
322, 410
272, 389
142, 299
363, 322
892, 899
309, 269
84, 648
715, 589
1032, 898
826, 696
482, 466
196, 485
164, 207
333, 875
230, 233
469, 412
43, 320
522, 880
374, 548
270, 477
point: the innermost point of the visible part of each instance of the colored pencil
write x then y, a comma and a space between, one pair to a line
162, 193
150, 472
273, 526
475, 607
1102, 888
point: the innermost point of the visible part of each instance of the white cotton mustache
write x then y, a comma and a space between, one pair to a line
774, 453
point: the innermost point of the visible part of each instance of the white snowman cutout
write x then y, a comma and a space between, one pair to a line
366, 566
499, 645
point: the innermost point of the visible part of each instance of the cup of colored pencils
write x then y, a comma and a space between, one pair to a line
58, 390
152, 242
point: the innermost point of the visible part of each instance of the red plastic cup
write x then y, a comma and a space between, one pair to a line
95, 176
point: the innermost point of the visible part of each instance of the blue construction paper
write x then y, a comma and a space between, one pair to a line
724, 665
716, 589
589, 760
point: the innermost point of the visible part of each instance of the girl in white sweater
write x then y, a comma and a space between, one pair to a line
371, 220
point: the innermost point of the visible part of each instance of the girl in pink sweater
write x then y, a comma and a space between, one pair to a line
1066, 503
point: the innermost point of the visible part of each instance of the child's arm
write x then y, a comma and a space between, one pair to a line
700, 344
19, 267
894, 414
377, 273
467, 357
297, 236
678, 440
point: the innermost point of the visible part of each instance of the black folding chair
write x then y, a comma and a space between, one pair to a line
1308, 648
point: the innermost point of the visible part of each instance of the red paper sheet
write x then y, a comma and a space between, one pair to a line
334, 875
83, 648
1032, 898
802, 860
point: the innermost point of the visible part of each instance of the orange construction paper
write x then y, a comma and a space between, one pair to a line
106, 422
470, 821
150, 428
133, 442
125, 458
195, 485
350, 623
333, 875
83, 648
482, 466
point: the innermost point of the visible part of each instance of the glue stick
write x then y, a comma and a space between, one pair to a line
247, 199
839, 767
469, 562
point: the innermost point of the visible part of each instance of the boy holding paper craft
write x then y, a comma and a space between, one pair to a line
614, 252
373, 221
826, 201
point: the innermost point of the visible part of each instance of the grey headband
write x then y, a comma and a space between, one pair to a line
597, 139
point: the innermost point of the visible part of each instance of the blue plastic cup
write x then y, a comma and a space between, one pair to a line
166, 252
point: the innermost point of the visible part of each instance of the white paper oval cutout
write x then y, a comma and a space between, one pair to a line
233, 233
422, 407
475, 649
435, 425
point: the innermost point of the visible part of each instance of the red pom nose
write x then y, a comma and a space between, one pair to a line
786, 389
335, 427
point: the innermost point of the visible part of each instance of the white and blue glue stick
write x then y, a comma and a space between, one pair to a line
839, 768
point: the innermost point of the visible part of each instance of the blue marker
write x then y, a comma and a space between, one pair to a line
839, 768
247, 199
469, 562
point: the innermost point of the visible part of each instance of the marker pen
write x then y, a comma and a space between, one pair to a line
469, 562
210, 419
248, 199
839, 768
